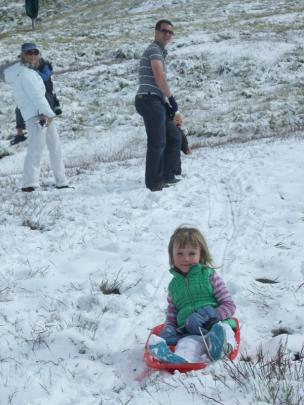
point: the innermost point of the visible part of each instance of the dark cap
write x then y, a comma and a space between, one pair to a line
28, 46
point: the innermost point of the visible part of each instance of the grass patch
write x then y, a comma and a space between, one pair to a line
108, 287
275, 379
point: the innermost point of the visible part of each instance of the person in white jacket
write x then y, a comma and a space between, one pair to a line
29, 94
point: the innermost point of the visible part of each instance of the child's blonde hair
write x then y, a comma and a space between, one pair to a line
184, 235
179, 115
178, 118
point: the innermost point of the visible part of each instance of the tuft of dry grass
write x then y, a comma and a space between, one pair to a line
108, 287
274, 379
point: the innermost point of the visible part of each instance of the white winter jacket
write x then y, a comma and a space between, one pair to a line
29, 91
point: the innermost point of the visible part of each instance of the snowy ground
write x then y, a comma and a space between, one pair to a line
64, 342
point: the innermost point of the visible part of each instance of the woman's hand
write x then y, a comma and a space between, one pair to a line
48, 121
44, 121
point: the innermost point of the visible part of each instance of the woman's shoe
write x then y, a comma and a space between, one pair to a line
173, 180
18, 139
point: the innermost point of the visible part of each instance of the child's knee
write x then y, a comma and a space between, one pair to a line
170, 334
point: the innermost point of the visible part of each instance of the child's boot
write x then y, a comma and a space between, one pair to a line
162, 353
216, 342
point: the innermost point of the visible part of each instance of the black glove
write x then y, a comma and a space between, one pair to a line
42, 121
55, 101
173, 105
58, 111
169, 112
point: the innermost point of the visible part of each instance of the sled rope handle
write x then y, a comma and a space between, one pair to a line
205, 343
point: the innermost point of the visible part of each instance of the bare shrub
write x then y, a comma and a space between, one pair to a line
273, 379
38, 338
33, 225
35, 213
108, 287
40, 271
4, 293
86, 324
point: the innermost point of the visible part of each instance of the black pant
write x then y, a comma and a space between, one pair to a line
19, 119
163, 143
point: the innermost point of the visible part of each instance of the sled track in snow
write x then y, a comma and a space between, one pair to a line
233, 193
224, 208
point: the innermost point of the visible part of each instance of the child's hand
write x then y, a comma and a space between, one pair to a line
208, 315
202, 320
189, 152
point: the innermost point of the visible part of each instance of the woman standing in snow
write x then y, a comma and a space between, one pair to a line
45, 70
198, 299
29, 93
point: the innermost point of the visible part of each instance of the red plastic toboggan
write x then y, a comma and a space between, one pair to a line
152, 362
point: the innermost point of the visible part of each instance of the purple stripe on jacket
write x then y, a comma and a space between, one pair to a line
226, 306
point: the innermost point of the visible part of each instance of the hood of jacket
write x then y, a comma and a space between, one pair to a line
11, 73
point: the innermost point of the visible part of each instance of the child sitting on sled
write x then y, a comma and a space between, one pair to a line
199, 302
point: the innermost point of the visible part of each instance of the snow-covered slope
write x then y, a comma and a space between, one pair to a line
236, 69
